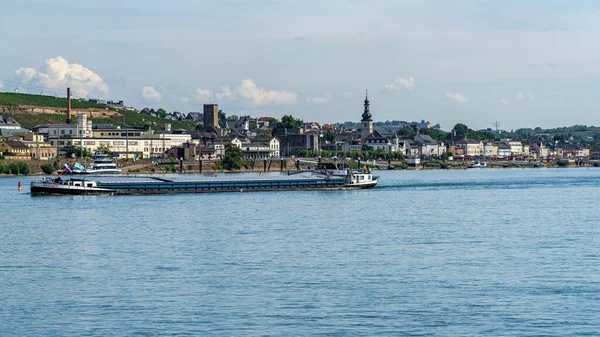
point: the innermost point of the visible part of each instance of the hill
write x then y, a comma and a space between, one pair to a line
31, 110
11, 99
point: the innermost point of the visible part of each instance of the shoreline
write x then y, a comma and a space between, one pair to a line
149, 167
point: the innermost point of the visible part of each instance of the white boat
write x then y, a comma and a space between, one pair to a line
478, 164
361, 178
101, 165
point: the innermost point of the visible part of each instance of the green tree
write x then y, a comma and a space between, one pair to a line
161, 113
461, 130
232, 118
330, 137
222, 119
434, 133
103, 149
234, 158
289, 122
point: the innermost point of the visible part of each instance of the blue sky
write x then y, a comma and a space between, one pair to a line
521, 63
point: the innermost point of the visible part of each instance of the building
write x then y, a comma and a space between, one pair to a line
469, 147
366, 121
211, 115
380, 142
12, 149
429, 147
257, 148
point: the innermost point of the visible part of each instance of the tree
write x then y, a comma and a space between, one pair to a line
161, 113
103, 149
461, 130
222, 119
434, 133
232, 118
75, 151
234, 158
330, 137
289, 122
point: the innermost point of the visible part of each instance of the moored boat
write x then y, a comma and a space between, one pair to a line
102, 165
478, 164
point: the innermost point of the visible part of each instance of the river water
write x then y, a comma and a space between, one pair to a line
512, 252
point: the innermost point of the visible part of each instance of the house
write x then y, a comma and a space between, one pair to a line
258, 148
312, 126
490, 149
539, 150
428, 146
575, 151
516, 147
12, 149
469, 147
504, 150
379, 142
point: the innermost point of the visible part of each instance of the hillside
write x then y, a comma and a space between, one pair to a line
31, 110
11, 99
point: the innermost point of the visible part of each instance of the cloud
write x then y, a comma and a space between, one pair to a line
1, 84
318, 100
203, 95
407, 83
57, 74
503, 101
521, 96
225, 93
348, 95
550, 64
255, 96
183, 99
457, 96
150, 93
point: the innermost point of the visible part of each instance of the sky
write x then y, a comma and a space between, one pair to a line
477, 62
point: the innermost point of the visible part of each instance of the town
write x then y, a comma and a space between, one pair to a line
212, 133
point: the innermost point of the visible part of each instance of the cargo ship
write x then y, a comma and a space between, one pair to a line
87, 185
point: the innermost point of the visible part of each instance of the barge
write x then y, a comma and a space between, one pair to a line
156, 185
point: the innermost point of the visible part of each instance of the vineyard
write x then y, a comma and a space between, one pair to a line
15, 99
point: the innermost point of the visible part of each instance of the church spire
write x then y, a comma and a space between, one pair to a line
366, 116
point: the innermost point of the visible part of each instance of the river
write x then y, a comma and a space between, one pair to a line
512, 252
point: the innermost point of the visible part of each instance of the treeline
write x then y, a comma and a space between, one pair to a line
15, 168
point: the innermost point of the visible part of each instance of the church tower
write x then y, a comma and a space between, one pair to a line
367, 121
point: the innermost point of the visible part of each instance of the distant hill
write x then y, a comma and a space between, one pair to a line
51, 110
15, 99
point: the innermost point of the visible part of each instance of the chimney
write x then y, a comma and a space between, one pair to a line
68, 105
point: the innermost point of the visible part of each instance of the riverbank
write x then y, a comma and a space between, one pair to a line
42, 167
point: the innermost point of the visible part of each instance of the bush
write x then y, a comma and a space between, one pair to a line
15, 168
48, 168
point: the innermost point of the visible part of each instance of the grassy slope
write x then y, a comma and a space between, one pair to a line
29, 121
13, 99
